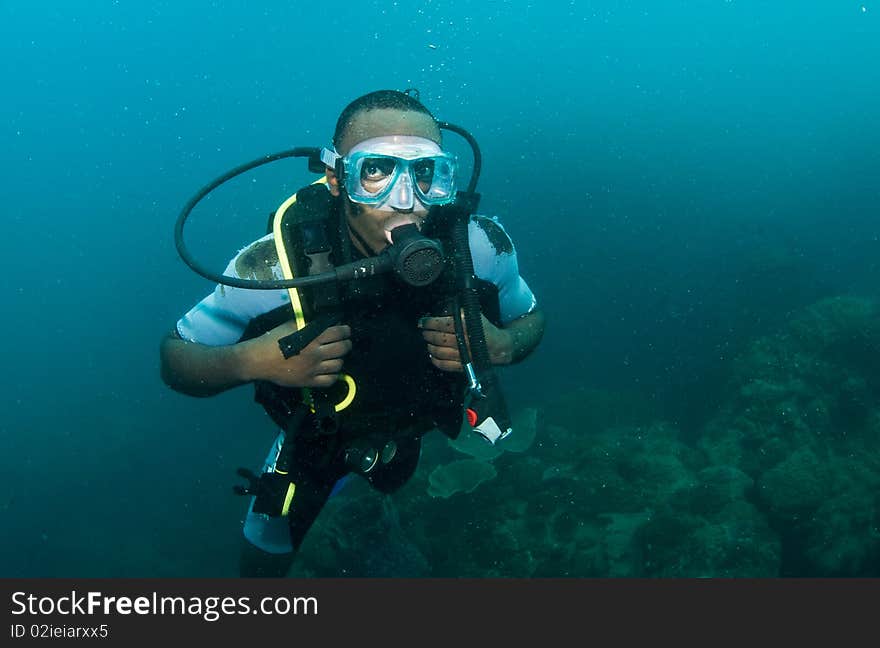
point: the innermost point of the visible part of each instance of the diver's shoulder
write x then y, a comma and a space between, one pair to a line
488, 230
257, 260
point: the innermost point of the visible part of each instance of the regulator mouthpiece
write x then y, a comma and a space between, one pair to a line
417, 259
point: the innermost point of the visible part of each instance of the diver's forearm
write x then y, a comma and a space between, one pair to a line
524, 335
200, 370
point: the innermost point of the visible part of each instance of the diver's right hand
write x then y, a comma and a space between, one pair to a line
317, 365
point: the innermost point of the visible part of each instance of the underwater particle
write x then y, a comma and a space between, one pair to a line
432, 46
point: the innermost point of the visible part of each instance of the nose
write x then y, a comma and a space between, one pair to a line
402, 197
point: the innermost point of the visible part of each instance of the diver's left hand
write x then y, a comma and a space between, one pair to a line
439, 333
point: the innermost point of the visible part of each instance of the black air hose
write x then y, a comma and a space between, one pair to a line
492, 404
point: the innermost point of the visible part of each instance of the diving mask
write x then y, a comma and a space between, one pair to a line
390, 172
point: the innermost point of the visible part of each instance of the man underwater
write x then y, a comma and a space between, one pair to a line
403, 372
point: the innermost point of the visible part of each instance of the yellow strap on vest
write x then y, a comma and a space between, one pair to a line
295, 301
285, 508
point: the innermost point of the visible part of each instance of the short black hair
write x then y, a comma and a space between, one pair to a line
394, 99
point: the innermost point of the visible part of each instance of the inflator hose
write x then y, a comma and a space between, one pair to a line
493, 404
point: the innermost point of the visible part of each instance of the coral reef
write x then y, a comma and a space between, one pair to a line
801, 420
783, 480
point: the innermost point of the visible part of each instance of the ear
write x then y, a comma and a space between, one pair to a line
332, 181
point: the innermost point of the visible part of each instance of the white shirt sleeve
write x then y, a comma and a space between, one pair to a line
222, 317
495, 260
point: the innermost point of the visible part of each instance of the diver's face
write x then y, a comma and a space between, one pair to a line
373, 223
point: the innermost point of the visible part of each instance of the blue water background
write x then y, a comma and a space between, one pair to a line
651, 161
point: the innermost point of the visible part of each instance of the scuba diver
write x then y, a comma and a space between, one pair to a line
373, 312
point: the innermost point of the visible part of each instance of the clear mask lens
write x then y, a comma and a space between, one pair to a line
371, 177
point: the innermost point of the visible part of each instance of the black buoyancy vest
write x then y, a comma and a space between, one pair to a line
398, 389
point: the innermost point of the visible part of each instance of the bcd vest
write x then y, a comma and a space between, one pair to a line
397, 389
